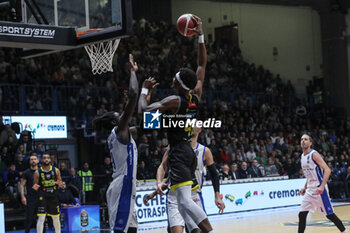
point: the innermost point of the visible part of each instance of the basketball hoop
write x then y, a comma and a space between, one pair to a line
101, 53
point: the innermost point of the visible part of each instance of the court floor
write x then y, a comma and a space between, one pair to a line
282, 220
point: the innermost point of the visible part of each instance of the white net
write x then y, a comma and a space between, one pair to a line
101, 55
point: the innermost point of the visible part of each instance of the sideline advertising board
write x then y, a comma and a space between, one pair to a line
237, 198
255, 196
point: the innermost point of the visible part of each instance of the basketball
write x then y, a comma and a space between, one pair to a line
184, 23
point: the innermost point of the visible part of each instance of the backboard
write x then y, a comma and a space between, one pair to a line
52, 25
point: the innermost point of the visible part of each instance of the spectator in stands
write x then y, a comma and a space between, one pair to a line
2, 126
11, 179
290, 169
39, 150
6, 156
143, 149
254, 170
243, 173
214, 150
26, 141
3, 168
65, 197
300, 110
64, 172
334, 182
21, 166
225, 156
11, 146
87, 183
53, 160
142, 172
269, 146
234, 171
74, 183
277, 145
6, 133
261, 156
225, 172
251, 155
20, 150
347, 182
106, 171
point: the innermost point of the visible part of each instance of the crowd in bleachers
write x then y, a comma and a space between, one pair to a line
263, 119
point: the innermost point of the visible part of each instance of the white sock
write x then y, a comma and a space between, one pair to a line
56, 224
40, 224
345, 231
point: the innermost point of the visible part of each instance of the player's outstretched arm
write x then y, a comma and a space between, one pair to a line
326, 171
169, 103
202, 57
209, 163
161, 173
123, 124
160, 176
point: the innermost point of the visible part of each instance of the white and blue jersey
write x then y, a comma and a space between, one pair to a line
121, 209
314, 177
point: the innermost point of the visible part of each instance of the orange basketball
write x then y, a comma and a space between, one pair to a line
184, 23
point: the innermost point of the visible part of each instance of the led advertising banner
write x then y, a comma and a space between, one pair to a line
42, 127
2, 218
237, 197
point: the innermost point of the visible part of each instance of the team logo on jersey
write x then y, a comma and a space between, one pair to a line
192, 104
152, 120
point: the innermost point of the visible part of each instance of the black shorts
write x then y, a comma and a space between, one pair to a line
48, 204
182, 163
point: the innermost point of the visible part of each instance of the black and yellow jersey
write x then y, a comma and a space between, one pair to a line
187, 110
47, 179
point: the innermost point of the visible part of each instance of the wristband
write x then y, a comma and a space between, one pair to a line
144, 91
201, 39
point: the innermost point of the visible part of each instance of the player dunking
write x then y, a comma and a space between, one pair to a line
315, 191
204, 160
46, 179
121, 192
182, 160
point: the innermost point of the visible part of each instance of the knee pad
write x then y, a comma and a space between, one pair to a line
303, 214
41, 219
132, 230
331, 216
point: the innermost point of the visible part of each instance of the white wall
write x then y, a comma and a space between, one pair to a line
295, 31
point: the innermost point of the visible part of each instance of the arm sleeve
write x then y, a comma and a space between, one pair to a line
214, 177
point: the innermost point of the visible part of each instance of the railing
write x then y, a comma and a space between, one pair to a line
75, 100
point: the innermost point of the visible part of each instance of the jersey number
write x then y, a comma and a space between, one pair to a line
189, 131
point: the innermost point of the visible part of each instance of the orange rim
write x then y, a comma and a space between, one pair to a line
88, 31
